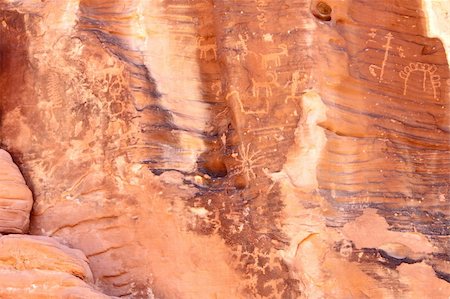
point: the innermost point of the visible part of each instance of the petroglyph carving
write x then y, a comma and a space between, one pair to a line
274, 58
240, 46
248, 160
234, 95
372, 33
429, 72
265, 85
205, 48
374, 68
217, 86
401, 52
261, 18
295, 82
261, 3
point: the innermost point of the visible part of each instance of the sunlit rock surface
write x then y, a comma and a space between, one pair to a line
40, 267
16, 199
234, 149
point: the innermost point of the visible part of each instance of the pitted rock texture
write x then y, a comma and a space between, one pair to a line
234, 149
16, 199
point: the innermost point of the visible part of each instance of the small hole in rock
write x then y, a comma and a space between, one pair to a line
322, 11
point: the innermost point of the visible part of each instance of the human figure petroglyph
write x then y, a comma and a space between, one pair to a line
373, 68
266, 85
428, 70
274, 58
401, 52
235, 95
295, 82
205, 48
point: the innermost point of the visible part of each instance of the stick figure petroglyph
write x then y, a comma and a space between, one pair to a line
428, 71
266, 85
373, 68
401, 52
295, 85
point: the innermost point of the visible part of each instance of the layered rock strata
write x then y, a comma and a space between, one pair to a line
16, 199
235, 149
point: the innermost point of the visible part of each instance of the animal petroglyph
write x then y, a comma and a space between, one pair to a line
265, 85
274, 58
429, 72
241, 46
205, 48
234, 95
374, 68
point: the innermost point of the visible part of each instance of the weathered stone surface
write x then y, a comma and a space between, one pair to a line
21, 252
44, 284
41, 267
235, 149
16, 199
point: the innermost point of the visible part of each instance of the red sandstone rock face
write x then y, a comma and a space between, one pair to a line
233, 149
40, 284
43, 253
16, 199
36, 266
40, 267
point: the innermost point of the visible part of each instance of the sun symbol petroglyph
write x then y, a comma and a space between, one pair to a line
428, 70
373, 68
248, 160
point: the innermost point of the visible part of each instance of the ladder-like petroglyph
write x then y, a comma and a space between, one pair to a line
377, 71
430, 78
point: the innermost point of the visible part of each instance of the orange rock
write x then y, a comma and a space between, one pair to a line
231, 149
45, 284
43, 253
16, 198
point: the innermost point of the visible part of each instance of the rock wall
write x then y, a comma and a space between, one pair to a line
234, 149
35, 266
